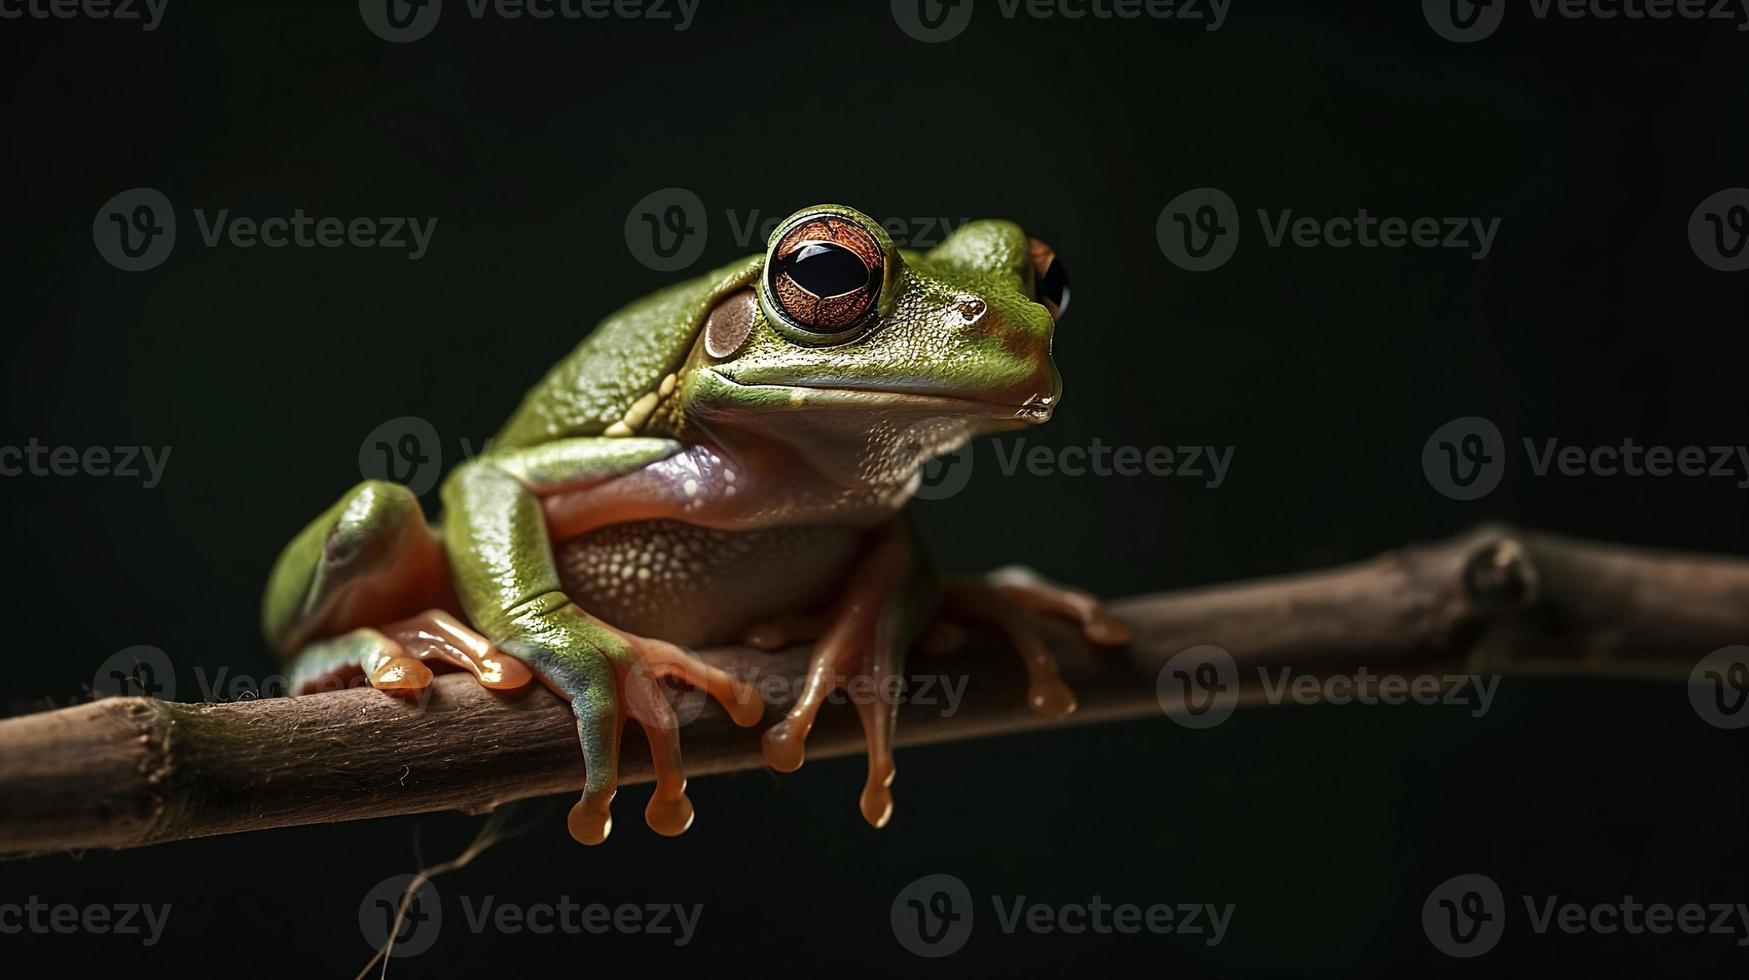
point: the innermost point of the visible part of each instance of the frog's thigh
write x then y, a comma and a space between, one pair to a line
369, 559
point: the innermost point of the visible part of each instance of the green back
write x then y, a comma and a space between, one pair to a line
624, 357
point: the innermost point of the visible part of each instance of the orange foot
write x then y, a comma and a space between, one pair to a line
396, 657
639, 667
861, 641
1011, 600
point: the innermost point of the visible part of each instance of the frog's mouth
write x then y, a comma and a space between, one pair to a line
891, 400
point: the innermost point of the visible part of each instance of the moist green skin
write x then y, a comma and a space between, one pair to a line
957, 336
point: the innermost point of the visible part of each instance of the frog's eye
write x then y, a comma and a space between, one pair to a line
824, 275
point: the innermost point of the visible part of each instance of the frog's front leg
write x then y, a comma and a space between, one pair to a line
863, 638
501, 558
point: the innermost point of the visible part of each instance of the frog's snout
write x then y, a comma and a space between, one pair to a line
1050, 279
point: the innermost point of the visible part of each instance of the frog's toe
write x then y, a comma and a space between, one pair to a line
616, 677
399, 657
589, 681
941, 637
666, 661
438, 636
1029, 589
990, 605
855, 652
778, 633
860, 646
336, 662
877, 790
642, 663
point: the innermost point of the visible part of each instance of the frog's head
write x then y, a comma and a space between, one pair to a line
848, 347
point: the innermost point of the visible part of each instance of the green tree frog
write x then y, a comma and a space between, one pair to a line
727, 459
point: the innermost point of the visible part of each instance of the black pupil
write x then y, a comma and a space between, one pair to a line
825, 269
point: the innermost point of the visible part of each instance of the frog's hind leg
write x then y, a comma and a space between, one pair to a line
368, 560
869, 630
1011, 601
338, 662
1027, 588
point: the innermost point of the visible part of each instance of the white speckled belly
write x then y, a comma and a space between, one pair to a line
696, 586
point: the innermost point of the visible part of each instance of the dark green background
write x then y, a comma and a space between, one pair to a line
1327, 370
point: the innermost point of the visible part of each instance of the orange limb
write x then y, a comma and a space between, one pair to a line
1011, 600
1045, 692
861, 641
639, 666
1028, 589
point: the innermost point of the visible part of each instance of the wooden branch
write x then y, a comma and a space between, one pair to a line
124, 772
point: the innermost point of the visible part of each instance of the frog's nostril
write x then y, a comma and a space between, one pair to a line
1050, 279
